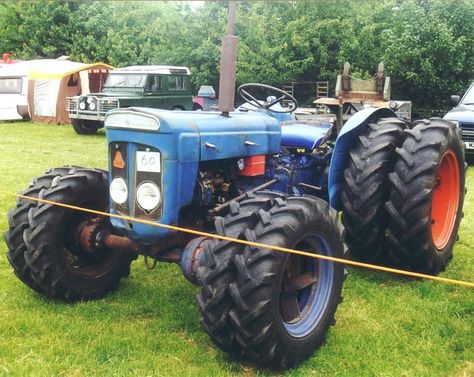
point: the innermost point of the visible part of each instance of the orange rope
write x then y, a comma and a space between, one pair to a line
250, 243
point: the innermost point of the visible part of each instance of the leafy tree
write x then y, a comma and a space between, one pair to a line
426, 45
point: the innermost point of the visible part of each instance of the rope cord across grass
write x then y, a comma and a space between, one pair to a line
249, 243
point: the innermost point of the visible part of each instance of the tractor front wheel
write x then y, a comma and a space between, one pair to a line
282, 305
217, 270
18, 223
427, 195
57, 262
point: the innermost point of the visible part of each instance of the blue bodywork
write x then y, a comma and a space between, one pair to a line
340, 157
182, 140
188, 139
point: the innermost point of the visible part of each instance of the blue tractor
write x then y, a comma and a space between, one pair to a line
257, 174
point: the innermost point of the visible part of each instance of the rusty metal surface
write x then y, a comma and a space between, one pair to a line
117, 242
228, 64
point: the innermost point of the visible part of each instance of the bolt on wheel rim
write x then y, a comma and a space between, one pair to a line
305, 288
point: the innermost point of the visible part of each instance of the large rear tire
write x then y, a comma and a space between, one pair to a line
366, 188
427, 196
57, 262
282, 305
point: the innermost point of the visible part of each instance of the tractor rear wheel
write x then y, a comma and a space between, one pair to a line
366, 188
18, 222
58, 264
284, 304
427, 195
85, 127
217, 269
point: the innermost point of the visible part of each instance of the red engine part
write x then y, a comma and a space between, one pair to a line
254, 165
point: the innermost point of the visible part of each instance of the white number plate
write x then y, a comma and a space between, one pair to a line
149, 161
469, 144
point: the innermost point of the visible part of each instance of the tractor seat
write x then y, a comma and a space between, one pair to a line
304, 134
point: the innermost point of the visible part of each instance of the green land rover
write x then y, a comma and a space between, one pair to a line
158, 86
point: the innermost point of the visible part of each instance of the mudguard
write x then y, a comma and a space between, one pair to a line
344, 143
301, 134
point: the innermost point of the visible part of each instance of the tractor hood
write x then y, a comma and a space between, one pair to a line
219, 137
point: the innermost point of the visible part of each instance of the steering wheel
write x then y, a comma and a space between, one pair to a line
243, 92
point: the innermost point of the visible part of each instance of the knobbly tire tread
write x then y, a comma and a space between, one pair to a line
217, 271
409, 237
366, 188
45, 245
18, 222
234, 274
255, 315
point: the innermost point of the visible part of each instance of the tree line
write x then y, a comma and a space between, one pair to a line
427, 46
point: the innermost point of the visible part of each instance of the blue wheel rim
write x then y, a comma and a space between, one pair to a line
313, 299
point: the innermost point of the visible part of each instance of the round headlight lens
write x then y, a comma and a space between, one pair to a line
89, 100
148, 196
92, 106
118, 190
82, 105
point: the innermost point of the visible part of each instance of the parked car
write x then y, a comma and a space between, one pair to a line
157, 86
463, 113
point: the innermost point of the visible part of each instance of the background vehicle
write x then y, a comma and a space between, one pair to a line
463, 113
164, 87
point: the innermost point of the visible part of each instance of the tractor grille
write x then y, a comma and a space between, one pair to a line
119, 154
105, 105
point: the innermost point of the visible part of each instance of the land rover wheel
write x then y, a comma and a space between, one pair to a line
58, 263
85, 127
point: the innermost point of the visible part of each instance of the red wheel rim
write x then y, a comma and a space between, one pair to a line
445, 200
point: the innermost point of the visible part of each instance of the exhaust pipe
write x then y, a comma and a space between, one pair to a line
228, 64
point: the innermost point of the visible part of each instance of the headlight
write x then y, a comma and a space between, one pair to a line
148, 196
82, 105
89, 100
118, 190
92, 106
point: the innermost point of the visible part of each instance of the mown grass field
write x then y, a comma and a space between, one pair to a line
386, 326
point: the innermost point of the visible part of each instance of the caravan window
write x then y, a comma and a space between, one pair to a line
10, 85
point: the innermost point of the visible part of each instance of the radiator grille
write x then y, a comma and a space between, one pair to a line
106, 105
71, 104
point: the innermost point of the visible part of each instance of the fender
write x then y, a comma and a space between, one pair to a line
344, 143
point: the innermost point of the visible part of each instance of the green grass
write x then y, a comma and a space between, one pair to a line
386, 326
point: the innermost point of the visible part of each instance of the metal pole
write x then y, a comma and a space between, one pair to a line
228, 64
